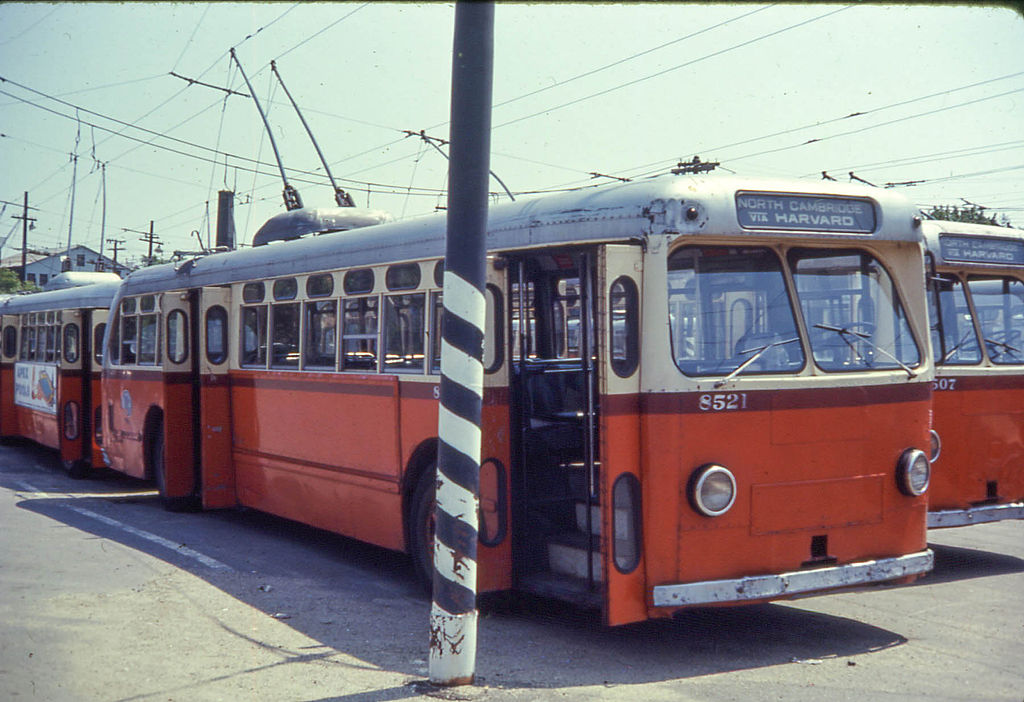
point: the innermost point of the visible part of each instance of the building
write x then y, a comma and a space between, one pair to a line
42, 265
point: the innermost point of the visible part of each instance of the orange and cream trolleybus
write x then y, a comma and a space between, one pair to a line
697, 390
976, 297
50, 370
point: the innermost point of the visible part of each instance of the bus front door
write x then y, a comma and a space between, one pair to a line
555, 474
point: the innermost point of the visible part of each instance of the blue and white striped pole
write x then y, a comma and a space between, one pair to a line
453, 613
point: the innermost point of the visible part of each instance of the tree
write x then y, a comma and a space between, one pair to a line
11, 283
967, 213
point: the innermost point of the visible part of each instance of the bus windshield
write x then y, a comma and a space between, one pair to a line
852, 312
729, 307
730, 312
999, 303
953, 336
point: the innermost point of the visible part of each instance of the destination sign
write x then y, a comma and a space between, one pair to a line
977, 249
805, 213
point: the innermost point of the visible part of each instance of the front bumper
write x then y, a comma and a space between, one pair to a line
975, 515
762, 587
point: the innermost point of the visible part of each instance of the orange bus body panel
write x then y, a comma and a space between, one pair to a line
8, 410
981, 424
40, 427
808, 463
494, 563
215, 425
288, 466
70, 390
620, 429
97, 403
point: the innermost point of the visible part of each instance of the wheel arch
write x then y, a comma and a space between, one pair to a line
423, 456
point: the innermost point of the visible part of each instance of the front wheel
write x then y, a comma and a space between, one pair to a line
188, 503
421, 527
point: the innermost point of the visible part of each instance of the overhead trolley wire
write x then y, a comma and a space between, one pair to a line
880, 124
859, 113
628, 58
636, 81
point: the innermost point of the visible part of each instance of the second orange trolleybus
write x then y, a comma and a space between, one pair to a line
977, 309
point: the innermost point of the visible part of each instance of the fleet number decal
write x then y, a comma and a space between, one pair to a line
719, 402
944, 384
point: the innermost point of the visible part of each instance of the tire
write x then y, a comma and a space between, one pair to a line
189, 503
421, 527
77, 469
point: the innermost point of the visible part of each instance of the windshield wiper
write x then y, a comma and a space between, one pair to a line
843, 332
758, 351
956, 346
1008, 347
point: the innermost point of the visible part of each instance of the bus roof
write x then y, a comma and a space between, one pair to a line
964, 244
616, 212
82, 297
74, 279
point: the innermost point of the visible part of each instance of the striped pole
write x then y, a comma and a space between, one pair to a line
453, 612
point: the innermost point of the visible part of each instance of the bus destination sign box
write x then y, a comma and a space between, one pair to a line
976, 249
805, 213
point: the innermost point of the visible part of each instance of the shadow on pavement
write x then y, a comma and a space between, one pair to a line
363, 601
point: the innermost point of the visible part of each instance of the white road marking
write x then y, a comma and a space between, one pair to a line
148, 536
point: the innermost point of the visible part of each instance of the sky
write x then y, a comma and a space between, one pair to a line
927, 98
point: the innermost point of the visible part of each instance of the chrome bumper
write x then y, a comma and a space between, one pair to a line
760, 587
975, 515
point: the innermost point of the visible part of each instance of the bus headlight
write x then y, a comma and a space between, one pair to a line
712, 490
913, 472
936, 446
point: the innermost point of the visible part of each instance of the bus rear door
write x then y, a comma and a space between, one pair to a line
214, 400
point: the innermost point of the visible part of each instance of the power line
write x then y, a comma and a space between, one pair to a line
670, 70
859, 113
628, 58
880, 124
191, 37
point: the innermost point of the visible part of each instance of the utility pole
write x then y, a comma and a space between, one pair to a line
116, 243
147, 237
453, 614
25, 219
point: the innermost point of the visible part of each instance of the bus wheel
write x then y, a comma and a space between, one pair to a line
77, 469
421, 529
189, 503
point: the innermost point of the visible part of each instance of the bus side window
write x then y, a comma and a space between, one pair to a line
254, 336
216, 335
436, 318
148, 326
284, 320
494, 329
321, 334
10, 340
70, 342
403, 333
177, 336
97, 343
129, 332
359, 334
26, 332
624, 326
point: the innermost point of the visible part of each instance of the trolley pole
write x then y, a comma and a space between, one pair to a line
453, 615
